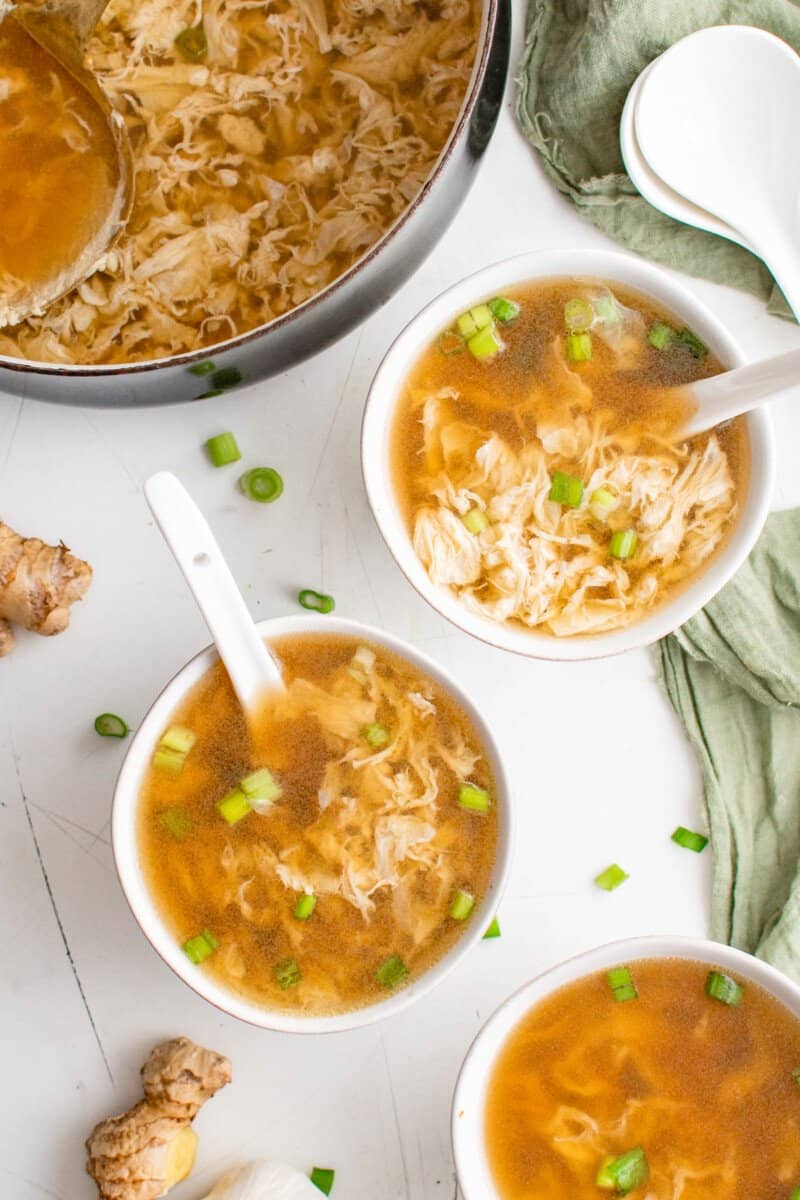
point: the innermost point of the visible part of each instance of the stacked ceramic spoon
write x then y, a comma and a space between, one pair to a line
708, 136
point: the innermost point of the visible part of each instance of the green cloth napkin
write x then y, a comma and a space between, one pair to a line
732, 674
580, 59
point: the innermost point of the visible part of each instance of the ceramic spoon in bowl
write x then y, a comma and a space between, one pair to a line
66, 193
716, 121
253, 672
722, 397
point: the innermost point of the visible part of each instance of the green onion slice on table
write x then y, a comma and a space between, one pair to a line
689, 840
110, 725
262, 484
223, 449
322, 1178
316, 601
613, 877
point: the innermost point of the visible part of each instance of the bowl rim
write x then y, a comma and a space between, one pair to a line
489, 19
381, 404
124, 811
469, 1096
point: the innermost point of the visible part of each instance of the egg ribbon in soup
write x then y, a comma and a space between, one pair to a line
662, 1078
343, 862
538, 458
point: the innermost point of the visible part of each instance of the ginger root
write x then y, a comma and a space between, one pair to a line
146, 1151
38, 583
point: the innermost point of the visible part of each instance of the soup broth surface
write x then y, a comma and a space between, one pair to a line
487, 437
377, 835
706, 1089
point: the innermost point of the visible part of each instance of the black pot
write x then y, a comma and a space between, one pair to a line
312, 326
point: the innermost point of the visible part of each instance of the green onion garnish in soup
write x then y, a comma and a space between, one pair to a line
171, 752
451, 343
376, 735
262, 484
796, 1075
176, 823
469, 323
660, 335
316, 601
689, 840
391, 973
493, 931
692, 342
461, 905
234, 807
288, 974
625, 1172
621, 983
579, 347
305, 907
485, 343
602, 503
223, 449
623, 543
475, 521
261, 789
474, 798
505, 311
110, 725
322, 1178
611, 878
200, 947
192, 44
578, 315
721, 987
566, 489
606, 309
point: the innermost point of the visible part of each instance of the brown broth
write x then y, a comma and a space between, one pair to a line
58, 173
337, 950
704, 1088
525, 385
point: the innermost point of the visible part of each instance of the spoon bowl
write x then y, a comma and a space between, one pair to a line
723, 397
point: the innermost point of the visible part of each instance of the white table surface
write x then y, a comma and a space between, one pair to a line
82, 995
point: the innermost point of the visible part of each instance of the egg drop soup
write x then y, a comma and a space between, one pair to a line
538, 458
337, 854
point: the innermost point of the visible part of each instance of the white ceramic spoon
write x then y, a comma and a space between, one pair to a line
653, 189
716, 121
252, 670
735, 392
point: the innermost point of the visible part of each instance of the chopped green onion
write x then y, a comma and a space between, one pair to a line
305, 906
223, 449
450, 343
796, 1075
199, 947
493, 931
606, 309
475, 521
795, 1194
660, 335
288, 974
192, 45
261, 789
566, 489
376, 735
474, 798
203, 368
469, 323
723, 988
692, 342
461, 905
689, 840
611, 878
392, 972
466, 326
168, 760
110, 725
226, 377
602, 503
623, 543
234, 807
621, 983
316, 601
578, 315
322, 1178
178, 738
504, 310
485, 343
262, 484
176, 822
579, 347
624, 1173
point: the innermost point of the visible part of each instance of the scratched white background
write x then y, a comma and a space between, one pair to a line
82, 996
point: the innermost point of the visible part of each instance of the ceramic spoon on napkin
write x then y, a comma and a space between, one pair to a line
715, 121
253, 672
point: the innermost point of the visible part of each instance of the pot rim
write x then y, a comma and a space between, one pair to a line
188, 358
124, 840
381, 406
